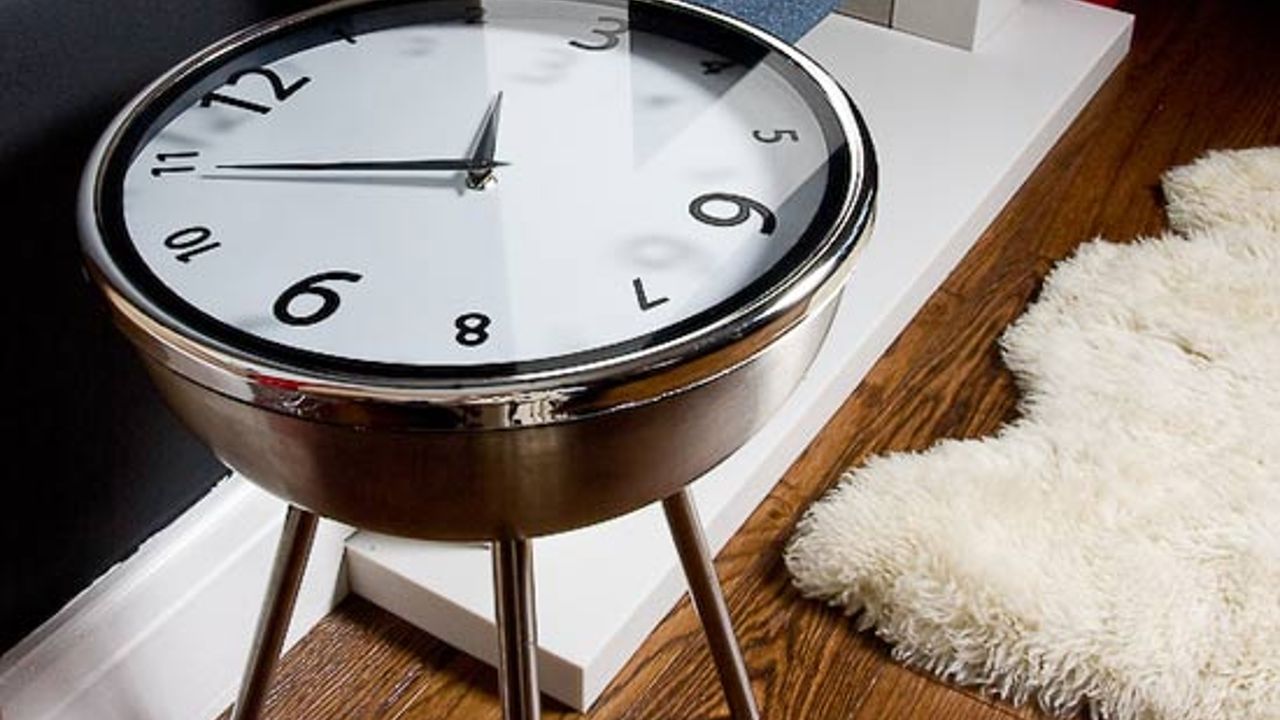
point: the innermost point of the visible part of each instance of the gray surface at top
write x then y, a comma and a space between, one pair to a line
788, 19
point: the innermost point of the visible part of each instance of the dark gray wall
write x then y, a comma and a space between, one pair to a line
96, 463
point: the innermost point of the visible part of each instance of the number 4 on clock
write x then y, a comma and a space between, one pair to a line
715, 67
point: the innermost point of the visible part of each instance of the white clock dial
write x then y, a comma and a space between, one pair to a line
557, 179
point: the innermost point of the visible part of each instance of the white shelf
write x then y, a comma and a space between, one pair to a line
957, 133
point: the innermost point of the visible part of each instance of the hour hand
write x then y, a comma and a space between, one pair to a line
447, 164
483, 148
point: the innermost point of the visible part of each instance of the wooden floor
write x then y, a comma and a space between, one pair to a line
1201, 75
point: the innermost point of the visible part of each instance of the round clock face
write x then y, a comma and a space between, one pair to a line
446, 188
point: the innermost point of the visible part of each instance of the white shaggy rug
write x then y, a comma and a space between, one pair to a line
1118, 547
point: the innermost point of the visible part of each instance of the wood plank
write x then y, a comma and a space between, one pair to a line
1202, 74
900, 693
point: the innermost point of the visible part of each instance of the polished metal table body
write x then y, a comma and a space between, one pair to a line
519, 453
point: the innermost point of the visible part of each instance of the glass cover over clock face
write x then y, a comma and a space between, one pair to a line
446, 187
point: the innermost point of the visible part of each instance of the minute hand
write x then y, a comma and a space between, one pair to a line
451, 165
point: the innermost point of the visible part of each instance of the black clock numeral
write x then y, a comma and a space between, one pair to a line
612, 35
344, 35
715, 67
279, 89
643, 299
165, 169
742, 211
329, 300
776, 136
473, 328
190, 242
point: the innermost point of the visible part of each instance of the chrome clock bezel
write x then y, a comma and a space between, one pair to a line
563, 393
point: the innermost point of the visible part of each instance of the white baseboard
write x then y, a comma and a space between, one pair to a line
164, 634
957, 134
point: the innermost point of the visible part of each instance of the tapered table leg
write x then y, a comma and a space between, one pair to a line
277, 608
517, 629
704, 588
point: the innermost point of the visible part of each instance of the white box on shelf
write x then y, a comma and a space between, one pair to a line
879, 12
962, 23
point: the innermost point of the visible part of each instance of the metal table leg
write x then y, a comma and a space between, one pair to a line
277, 608
704, 588
517, 629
